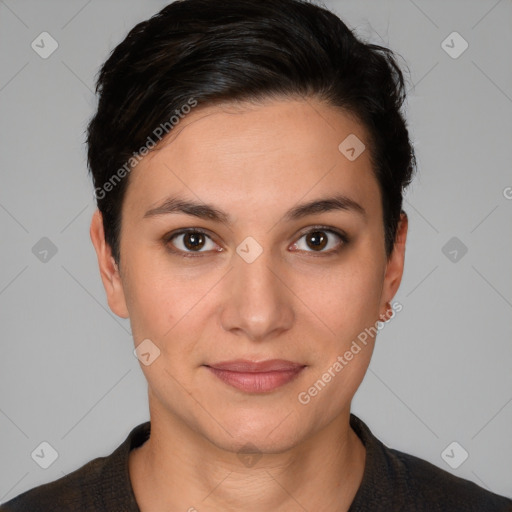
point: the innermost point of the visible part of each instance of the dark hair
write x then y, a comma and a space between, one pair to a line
210, 52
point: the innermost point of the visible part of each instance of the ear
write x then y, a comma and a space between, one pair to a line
395, 265
108, 269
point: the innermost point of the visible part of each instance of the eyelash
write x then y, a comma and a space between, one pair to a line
343, 237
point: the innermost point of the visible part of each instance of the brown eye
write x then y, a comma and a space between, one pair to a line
316, 240
191, 241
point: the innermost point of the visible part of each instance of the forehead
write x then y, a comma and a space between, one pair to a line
254, 155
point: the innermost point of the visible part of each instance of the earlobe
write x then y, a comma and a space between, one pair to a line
109, 271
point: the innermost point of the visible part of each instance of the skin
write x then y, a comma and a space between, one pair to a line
255, 162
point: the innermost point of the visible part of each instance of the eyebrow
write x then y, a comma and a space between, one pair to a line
205, 211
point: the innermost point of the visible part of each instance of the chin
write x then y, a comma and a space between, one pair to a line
267, 431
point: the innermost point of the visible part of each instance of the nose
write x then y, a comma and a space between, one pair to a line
258, 304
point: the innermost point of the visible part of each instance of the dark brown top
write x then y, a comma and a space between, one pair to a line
392, 481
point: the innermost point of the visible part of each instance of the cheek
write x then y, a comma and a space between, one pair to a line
348, 304
163, 300
151, 297
347, 299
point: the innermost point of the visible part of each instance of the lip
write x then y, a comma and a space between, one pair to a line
256, 376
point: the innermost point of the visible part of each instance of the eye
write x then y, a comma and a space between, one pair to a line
191, 241
320, 238
194, 241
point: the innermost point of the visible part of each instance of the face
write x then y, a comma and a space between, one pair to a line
249, 273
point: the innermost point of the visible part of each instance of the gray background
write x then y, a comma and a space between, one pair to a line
441, 368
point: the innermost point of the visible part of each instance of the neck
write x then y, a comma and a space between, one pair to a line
178, 469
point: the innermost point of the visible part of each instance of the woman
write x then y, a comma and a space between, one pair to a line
249, 160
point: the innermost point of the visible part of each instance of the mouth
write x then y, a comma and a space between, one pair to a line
256, 377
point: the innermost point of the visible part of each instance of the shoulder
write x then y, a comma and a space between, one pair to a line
69, 493
102, 484
398, 481
440, 490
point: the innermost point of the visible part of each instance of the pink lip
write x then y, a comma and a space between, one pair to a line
256, 377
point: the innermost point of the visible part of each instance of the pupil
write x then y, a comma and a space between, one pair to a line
317, 239
193, 240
